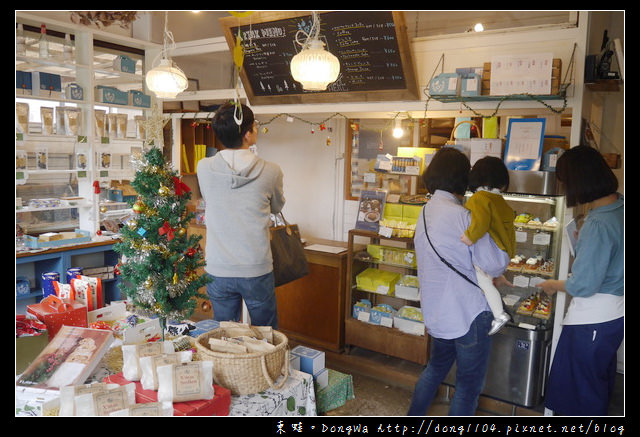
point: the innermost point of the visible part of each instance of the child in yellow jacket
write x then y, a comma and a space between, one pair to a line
491, 213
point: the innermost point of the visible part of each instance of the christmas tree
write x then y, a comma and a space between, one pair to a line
158, 258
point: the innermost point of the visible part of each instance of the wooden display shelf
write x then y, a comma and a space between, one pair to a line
381, 339
388, 341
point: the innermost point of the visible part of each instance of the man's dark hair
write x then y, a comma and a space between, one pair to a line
227, 130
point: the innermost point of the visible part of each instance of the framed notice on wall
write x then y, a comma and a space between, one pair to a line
372, 47
525, 137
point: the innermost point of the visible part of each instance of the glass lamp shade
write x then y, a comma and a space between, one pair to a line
314, 67
166, 80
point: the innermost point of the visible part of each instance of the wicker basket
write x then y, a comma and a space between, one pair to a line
246, 373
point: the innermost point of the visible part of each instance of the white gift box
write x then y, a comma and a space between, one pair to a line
311, 360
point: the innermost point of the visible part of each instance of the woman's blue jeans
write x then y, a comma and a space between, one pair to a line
259, 294
471, 355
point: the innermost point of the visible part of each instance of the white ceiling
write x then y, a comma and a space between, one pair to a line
187, 25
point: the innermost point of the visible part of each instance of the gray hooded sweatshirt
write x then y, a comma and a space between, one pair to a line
238, 205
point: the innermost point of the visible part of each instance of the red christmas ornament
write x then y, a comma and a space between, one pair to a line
180, 187
167, 229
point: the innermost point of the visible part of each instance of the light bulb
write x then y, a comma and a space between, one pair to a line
398, 132
478, 27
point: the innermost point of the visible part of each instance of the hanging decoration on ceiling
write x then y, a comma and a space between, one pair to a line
241, 14
104, 19
166, 80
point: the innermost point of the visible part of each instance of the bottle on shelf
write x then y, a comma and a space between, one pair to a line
67, 49
21, 46
43, 43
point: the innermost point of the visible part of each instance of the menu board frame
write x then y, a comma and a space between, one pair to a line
409, 90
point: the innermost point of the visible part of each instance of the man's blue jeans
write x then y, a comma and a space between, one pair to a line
471, 354
259, 294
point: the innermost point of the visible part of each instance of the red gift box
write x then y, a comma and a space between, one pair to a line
55, 312
218, 406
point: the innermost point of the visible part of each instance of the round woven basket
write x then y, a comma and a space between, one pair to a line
246, 373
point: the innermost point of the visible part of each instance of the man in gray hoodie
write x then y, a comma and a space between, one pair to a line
240, 191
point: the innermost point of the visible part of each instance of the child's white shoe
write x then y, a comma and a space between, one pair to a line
499, 322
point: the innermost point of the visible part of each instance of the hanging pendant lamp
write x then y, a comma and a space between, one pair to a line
166, 80
314, 67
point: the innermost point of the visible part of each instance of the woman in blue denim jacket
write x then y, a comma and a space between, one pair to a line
456, 313
584, 366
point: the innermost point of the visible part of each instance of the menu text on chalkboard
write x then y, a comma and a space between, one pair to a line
372, 48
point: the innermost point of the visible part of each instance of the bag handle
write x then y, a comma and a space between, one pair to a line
453, 132
286, 225
448, 264
284, 371
57, 304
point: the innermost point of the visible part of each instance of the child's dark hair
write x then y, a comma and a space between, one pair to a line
227, 130
489, 172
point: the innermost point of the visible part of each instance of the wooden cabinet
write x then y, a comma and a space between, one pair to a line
311, 309
379, 338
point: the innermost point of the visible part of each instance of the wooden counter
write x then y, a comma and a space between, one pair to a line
311, 309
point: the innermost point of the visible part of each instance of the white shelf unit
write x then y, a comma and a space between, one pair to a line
90, 66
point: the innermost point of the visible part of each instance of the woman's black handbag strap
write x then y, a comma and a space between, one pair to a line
441, 258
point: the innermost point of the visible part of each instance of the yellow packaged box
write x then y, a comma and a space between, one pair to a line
377, 281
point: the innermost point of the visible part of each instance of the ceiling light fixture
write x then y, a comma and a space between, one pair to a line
166, 80
314, 67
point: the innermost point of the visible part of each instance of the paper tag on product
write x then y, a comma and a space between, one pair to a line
364, 316
521, 237
386, 321
186, 380
542, 238
520, 281
408, 257
111, 400
385, 231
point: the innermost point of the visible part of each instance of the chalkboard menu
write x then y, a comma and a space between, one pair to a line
372, 47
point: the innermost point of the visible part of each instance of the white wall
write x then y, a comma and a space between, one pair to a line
313, 171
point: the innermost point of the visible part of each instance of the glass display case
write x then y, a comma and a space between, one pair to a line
521, 351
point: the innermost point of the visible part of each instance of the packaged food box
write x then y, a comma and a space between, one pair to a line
408, 287
377, 281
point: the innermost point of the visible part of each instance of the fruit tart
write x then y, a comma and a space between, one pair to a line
528, 305
543, 308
